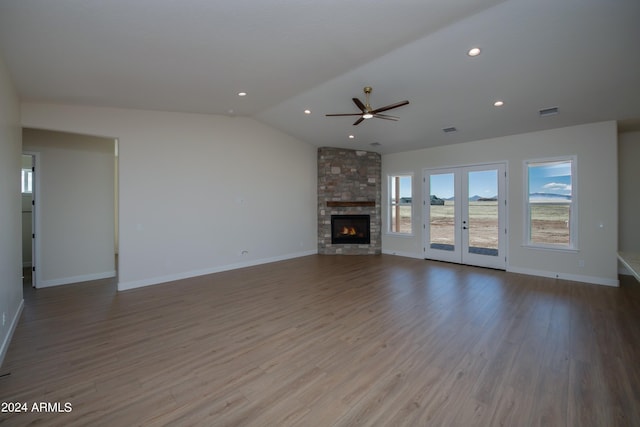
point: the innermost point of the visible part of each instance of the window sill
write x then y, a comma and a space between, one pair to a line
552, 249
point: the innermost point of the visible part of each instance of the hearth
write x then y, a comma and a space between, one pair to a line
350, 229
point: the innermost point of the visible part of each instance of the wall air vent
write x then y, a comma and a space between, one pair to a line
449, 129
548, 111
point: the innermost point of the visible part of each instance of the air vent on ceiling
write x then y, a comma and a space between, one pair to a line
375, 144
548, 111
450, 130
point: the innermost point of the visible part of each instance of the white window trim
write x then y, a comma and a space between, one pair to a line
573, 218
388, 231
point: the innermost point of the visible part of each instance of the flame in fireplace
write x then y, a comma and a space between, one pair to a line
348, 231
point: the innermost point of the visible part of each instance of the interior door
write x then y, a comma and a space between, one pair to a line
28, 217
465, 215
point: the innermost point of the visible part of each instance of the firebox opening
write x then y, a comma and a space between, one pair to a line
347, 229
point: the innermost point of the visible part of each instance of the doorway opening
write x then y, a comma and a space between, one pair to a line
75, 186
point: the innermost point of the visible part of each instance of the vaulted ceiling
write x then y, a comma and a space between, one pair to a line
288, 56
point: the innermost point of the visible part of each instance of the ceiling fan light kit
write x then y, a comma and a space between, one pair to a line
367, 112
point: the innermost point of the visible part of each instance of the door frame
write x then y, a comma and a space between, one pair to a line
458, 256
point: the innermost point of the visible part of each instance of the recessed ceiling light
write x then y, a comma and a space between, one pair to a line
307, 111
498, 103
242, 93
474, 51
351, 136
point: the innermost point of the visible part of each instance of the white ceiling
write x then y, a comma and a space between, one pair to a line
289, 55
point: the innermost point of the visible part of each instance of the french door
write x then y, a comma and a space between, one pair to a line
465, 215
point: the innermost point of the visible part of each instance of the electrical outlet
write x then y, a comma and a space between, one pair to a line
580, 263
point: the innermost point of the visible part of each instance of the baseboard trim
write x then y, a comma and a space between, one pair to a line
404, 254
12, 329
74, 279
532, 272
624, 270
562, 276
125, 286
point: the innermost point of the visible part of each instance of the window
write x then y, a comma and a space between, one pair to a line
27, 181
551, 206
400, 193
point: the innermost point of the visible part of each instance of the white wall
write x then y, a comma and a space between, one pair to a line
596, 148
75, 206
199, 193
629, 178
10, 208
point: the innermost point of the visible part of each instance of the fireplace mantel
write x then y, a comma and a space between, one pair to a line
351, 204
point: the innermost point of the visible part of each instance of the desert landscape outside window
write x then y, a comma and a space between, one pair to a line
551, 203
400, 204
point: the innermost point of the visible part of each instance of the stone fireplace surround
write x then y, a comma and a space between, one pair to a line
349, 183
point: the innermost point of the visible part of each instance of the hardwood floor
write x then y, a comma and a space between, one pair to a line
331, 341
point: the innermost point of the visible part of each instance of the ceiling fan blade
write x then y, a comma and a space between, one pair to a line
386, 115
357, 122
360, 105
347, 114
378, 116
389, 107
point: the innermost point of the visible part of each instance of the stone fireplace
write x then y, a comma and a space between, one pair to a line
349, 194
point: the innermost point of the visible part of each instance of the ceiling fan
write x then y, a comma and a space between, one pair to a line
367, 112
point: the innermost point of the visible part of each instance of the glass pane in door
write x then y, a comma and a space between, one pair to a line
442, 212
483, 227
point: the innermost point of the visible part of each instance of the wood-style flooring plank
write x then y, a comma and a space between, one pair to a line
330, 341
